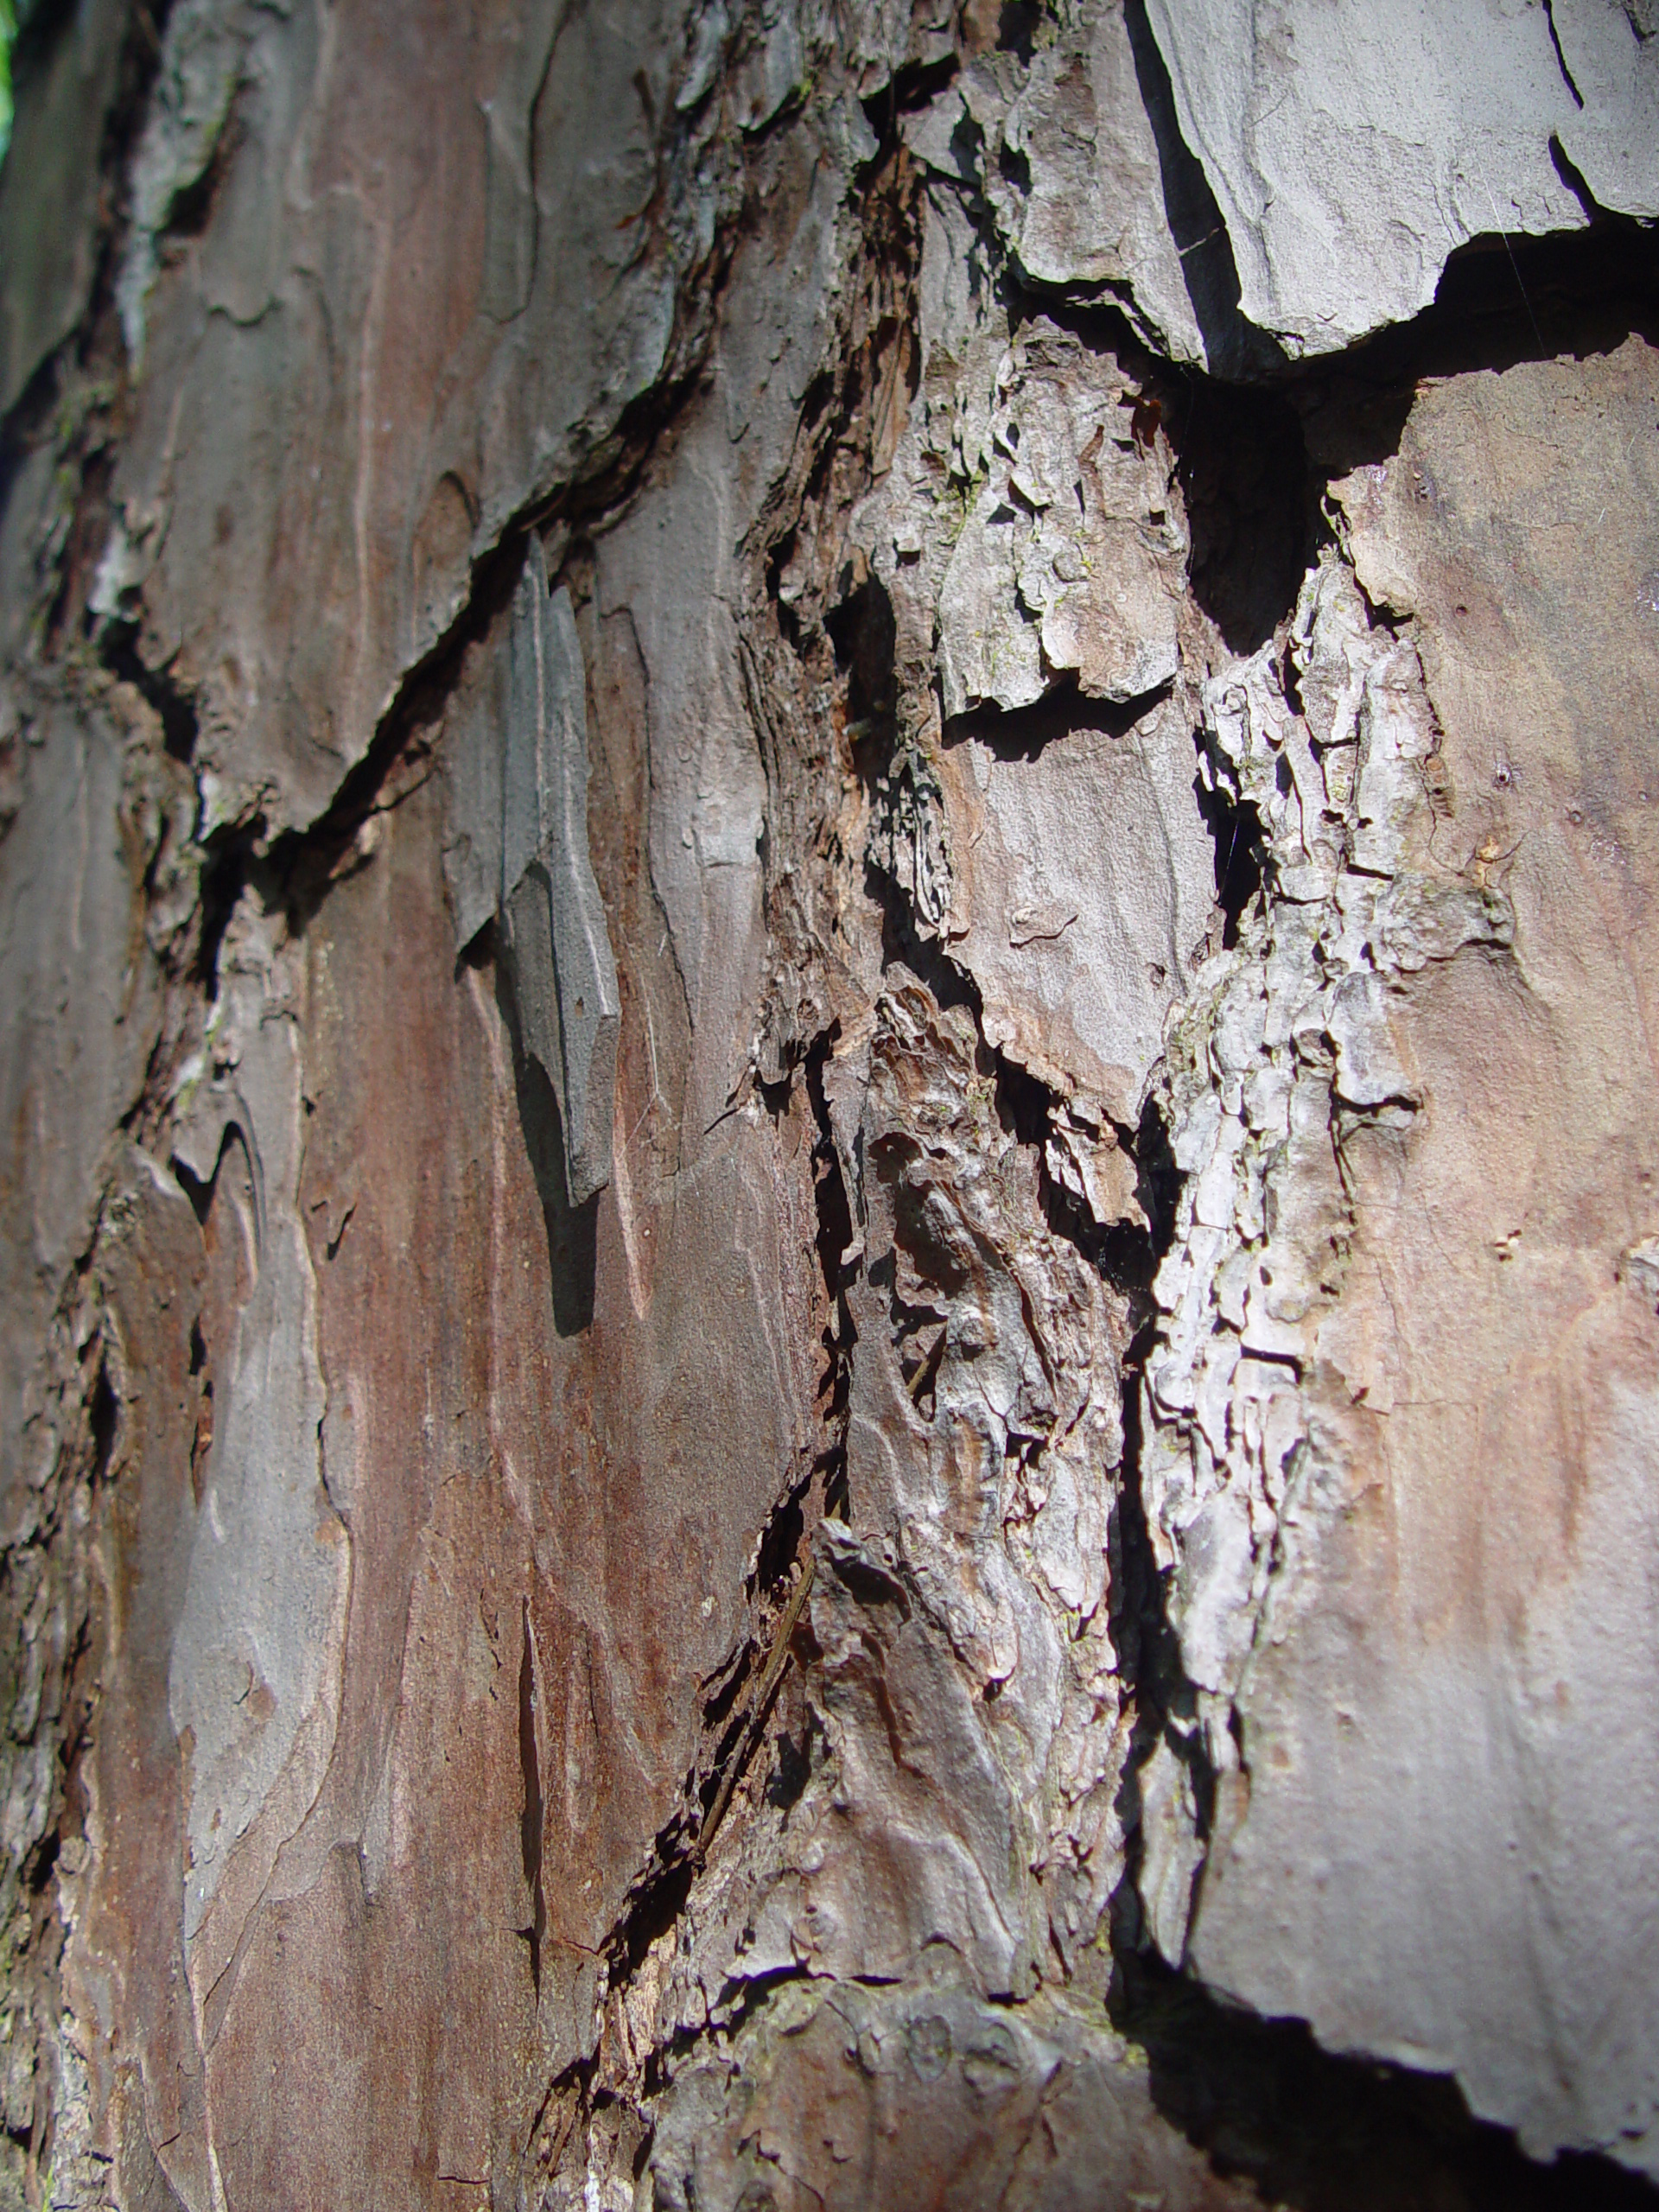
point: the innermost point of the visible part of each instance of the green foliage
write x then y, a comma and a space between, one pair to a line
8, 33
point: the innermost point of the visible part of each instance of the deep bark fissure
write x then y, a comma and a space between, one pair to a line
734, 1718
535, 1808
88, 375
1561, 58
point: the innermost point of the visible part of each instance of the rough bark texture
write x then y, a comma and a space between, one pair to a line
828, 908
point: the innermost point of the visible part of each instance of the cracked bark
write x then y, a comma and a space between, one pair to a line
921, 1468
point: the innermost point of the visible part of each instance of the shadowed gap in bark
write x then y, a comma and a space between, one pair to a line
572, 1232
531, 1821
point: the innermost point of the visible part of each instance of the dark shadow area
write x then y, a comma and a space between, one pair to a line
1235, 828
1561, 58
177, 711
779, 1543
731, 1683
903, 945
1017, 27
189, 216
306, 862
654, 1902
1241, 459
909, 88
861, 630
1125, 1253
571, 1231
199, 1190
1233, 346
1255, 444
37, 33
104, 1418
1506, 298
227, 868
1148, 1649
1328, 2134
1501, 300
1021, 732
791, 1769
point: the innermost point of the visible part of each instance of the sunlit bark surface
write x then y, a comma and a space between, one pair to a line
828, 1239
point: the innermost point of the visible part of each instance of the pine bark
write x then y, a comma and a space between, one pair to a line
830, 1266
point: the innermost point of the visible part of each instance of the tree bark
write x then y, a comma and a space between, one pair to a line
829, 884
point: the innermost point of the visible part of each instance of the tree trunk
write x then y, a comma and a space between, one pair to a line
829, 932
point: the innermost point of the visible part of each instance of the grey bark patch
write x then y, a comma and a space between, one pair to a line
519, 841
1352, 156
